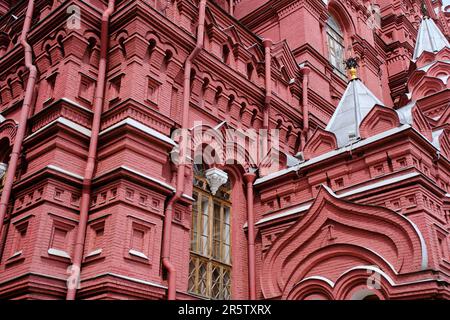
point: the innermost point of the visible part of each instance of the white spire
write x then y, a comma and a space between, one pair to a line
354, 106
429, 38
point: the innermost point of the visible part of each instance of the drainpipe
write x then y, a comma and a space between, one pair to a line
24, 114
268, 65
181, 168
92, 156
249, 180
305, 71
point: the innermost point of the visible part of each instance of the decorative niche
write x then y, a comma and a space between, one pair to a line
19, 241
86, 89
50, 88
114, 88
140, 240
96, 241
61, 238
152, 94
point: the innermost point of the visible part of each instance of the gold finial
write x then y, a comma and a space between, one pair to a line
424, 9
351, 64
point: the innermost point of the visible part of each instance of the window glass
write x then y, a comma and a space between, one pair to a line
336, 45
210, 261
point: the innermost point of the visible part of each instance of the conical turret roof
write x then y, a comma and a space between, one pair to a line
429, 38
354, 106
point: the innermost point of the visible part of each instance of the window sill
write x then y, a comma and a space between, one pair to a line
15, 258
137, 256
48, 101
94, 256
94, 253
152, 103
59, 254
16, 254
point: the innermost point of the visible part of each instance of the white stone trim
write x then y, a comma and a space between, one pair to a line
66, 122
56, 168
320, 278
188, 197
137, 254
334, 153
423, 245
126, 278
283, 214
141, 127
304, 207
298, 209
378, 184
147, 177
94, 253
15, 254
58, 253
79, 106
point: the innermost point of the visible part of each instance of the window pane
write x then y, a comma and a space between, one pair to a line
209, 267
205, 226
226, 236
194, 231
215, 283
332, 23
226, 293
203, 279
192, 275
216, 232
336, 45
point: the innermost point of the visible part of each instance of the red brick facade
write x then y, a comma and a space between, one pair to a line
323, 227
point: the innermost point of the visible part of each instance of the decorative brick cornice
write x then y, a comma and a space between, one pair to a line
241, 53
132, 109
132, 176
154, 21
61, 108
215, 34
282, 8
8, 129
111, 285
364, 50
187, 7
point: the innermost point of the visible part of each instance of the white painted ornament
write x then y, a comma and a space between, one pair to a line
216, 178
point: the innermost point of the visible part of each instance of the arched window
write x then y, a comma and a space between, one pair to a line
336, 45
210, 259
